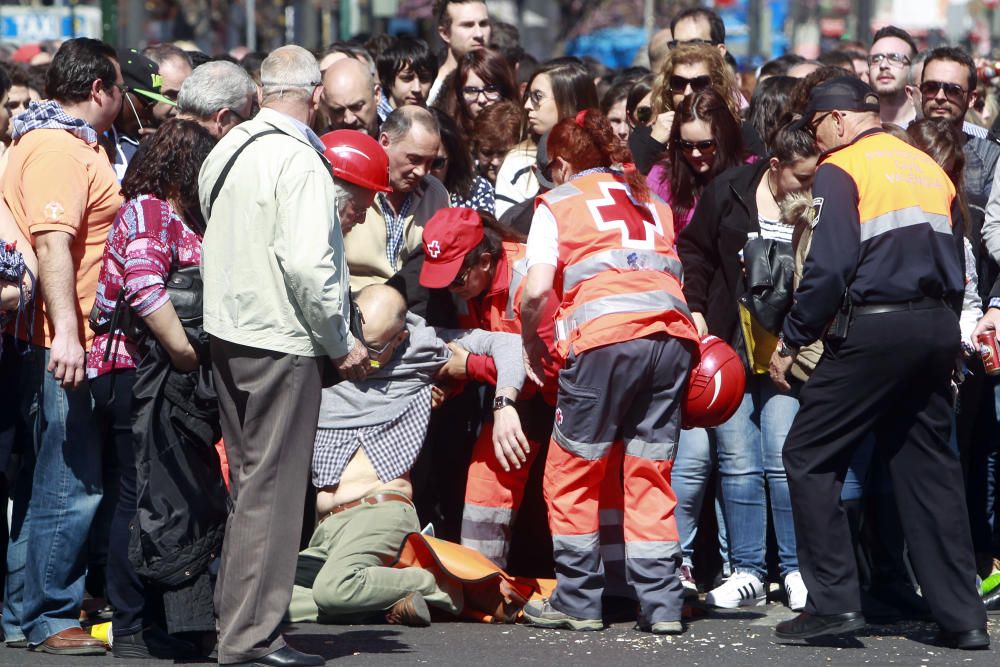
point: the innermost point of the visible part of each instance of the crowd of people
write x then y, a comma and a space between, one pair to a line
274, 326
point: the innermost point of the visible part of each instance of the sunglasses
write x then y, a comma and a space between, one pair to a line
439, 163
706, 147
953, 91
377, 351
644, 114
816, 122
460, 279
672, 44
372, 350
894, 59
678, 84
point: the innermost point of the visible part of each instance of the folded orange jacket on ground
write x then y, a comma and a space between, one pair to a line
491, 595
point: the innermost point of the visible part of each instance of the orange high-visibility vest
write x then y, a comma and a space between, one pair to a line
618, 273
898, 185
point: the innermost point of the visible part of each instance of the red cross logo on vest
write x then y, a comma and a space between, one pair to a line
639, 225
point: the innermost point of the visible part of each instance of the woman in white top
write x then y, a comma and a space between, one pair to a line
558, 89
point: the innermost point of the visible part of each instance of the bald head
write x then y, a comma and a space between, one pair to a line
384, 310
349, 96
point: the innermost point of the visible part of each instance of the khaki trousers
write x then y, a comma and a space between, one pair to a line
357, 544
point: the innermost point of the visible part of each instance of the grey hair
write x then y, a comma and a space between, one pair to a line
399, 122
289, 70
213, 86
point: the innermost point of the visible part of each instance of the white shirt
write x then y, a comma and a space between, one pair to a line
543, 238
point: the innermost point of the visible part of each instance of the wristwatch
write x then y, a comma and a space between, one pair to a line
501, 402
786, 350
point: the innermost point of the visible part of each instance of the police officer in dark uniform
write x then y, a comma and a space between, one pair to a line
882, 268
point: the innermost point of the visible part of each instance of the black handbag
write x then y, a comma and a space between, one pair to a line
770, 276
186, 291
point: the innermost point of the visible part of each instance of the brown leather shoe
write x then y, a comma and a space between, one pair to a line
72, 641
411, 610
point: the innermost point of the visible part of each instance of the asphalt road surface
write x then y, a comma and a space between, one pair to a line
738, 638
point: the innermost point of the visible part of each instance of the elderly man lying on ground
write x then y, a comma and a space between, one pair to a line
370, 433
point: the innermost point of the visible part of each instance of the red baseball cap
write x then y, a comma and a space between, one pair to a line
448, 237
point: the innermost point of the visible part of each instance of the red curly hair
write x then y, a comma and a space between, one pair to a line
586, 141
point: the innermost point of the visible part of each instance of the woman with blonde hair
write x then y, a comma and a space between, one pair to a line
688, 69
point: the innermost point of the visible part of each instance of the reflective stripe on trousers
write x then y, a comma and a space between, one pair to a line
492, 498
652, 551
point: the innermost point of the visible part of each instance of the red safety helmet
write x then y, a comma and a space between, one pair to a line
357, 158
715, 386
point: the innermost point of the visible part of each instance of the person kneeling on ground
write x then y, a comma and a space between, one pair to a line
369, 435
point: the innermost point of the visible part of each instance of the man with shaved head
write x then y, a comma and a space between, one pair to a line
370, 433
393, 228
349, 97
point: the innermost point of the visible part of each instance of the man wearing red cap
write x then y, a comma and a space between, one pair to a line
485, 274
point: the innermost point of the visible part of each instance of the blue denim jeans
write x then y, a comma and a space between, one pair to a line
856, 478
749, 449
689, 478
55, 498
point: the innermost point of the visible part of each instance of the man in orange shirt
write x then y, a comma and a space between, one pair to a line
64, 196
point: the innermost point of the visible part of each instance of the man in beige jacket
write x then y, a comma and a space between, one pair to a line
276, 306
394, 225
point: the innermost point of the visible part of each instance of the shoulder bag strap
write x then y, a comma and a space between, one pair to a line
229, 166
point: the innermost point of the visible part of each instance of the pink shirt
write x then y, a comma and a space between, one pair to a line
658, 180
148, 240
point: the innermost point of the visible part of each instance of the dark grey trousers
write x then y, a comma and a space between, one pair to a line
269, 402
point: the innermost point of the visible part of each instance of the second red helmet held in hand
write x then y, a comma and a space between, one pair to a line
715, 385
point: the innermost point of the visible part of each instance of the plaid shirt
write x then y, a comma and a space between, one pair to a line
49, 115
384, 108
392, 446
394, 225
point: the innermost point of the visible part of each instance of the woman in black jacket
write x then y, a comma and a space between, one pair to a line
738, 205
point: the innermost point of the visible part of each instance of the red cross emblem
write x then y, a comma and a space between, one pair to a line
638, 224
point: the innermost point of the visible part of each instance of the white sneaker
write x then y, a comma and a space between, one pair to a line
686, 576
742, 589
795, 591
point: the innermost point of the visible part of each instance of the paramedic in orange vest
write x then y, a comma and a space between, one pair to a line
486, 276
883, 249
602, 249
